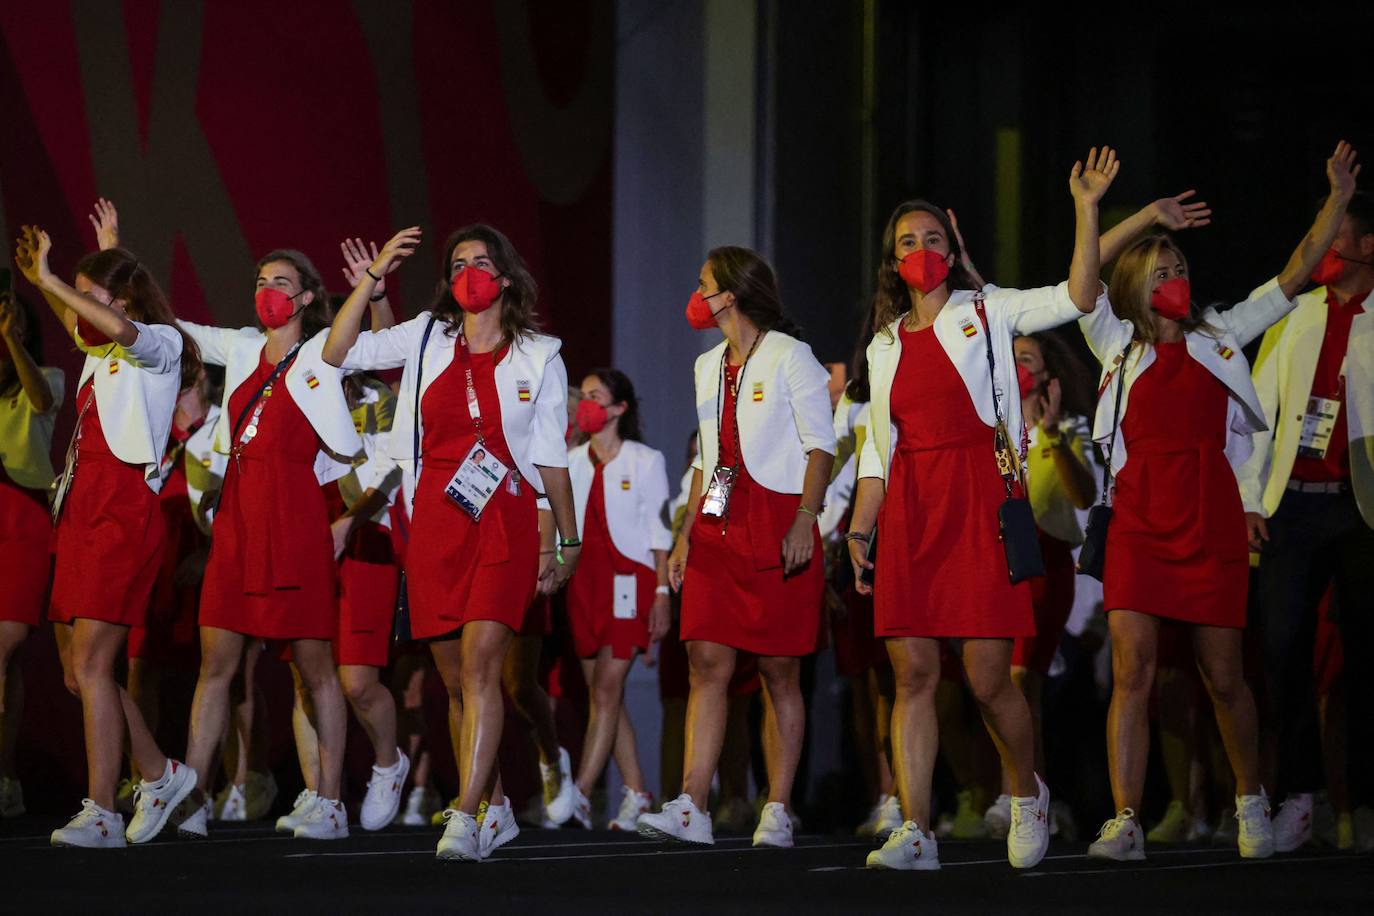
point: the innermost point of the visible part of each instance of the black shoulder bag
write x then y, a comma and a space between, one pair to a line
1015, 520
1092, 557
400, 630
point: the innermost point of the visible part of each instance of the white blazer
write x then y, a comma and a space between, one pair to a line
783, 409
1219, 352
313, 383
635, 487
204, 466
531, 384
136, 392
849, 416
1283, 373
26, 434
960, 332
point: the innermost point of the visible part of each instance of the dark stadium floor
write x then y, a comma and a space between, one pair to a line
251, 869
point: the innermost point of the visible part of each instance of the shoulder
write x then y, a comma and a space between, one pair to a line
535, 345
578, 453
641, 453
710, 358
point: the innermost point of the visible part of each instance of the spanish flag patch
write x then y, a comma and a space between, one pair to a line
968, 329
624, 483
310, 380
758, 392
114, 367
1225, 352
522, 390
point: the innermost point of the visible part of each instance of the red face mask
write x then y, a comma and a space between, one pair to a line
1172, 298
274, 307
93, 336
699, 314
475, 290
591, 416
923, 269
1025, 380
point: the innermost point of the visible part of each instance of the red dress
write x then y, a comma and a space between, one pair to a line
170, 635
368, 579
271, 572
458, 570
591, 592
1052, 601
734, 592
941, 570
1177, 545
25, 563
109, 539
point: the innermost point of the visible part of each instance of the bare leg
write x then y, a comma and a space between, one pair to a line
1135, 639
448, 658
711, 666
484, 646
145, 689
606, 683
520, 675
672, 744
220, 652
915, 736
1219, 657
626, 752
784, 724
303, 730
315, 659
1177, 712
376, 710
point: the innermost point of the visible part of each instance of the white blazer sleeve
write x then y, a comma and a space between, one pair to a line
548, 448
655, 498
388, 349
157, 349
1250, 476
808, 384
1031, 310
1106, 334
1251, 318
214, 343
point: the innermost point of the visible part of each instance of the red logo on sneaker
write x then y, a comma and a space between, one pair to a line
686, 818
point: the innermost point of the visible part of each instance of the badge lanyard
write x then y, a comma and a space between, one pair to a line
474, 408
256, 404
723, 479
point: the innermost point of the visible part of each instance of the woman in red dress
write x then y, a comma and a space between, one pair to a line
483, 395
287, 430
930, 465
749, 560
618, 601
29, 399
1177, 547
109, 537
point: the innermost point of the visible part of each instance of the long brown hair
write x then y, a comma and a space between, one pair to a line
517, 300
319, 314
1133, 281
1076, 382
745, 273
891, 300
124, 277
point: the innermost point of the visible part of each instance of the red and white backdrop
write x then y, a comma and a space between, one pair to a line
226, 128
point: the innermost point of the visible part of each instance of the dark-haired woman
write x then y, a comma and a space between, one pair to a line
109, 533
29, 398
931, 465
491, 394
287, 430
1177, 547
618, 602
749, 560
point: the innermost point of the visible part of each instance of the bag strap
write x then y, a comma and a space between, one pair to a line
1107, 474
257, 395
419, 375
1001, 438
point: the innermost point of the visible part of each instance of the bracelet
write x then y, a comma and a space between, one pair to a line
857, 536
546, 552
570, 542
803, 508
377, 298
662, 590
368, 270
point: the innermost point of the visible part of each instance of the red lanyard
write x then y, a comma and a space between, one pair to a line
474, 409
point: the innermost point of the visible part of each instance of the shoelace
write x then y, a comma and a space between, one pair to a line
1116, 824
1022, 818
89, 809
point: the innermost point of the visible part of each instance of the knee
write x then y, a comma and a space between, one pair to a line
1133, 670
915, 682
988, 685
320, 679
480, 675
1223, 680
606, 695
780, 676
69, 681
709, 669
218, 667
89, 668
356, 687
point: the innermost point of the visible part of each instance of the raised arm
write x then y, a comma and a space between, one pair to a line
1087, 183
356, 261
1341, 172
31, 378
344, 332
31, 256
1174, 213
105, 221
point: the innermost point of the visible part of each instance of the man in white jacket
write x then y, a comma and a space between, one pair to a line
1308, 491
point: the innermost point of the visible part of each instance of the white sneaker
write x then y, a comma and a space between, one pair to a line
1293, 823
93, 828
558, 789
259, 793
582, 809
1255, 835
11, 798
326, 821
678, 819
305, 803
998, 817
498, 828
632, 805
383, 799
907, 849
460, 841
195, 823
1120, 839
421, 804
235, 805
1029, 835
155, 801
775, 827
